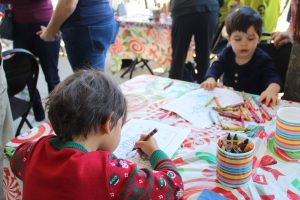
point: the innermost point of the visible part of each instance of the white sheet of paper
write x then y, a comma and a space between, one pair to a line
168, 138
191, 106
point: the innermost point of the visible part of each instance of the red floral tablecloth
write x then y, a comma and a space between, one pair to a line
140, 37
276, 173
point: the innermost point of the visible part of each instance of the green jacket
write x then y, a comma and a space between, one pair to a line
269, 10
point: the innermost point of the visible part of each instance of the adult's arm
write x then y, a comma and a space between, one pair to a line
281, 38
63, 11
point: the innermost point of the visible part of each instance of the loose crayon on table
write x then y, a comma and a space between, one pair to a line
235, 105
242, 120
254, 116
169, 85
235, 141
235, 128
212, 117
256, 101
244, 112
229, 115
252, 112
217, 102
224, 109
209, 102
264, 113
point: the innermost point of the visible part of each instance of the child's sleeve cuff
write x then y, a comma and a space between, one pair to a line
157, 156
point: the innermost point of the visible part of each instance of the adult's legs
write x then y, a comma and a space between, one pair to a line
181, 38
87, 46
292, 80
23, 39
48, 53
205, 27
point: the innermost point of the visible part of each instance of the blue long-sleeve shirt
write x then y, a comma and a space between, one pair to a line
253, 77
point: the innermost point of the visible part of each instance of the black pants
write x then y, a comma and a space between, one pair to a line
48, 52
202, 26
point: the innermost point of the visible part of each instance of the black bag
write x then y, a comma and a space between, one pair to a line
6, 27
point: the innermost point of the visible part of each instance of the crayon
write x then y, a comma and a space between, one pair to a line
220, 143
212, 117
252, 111
235, 128
209, 102
242, 120
248, 148
243, 145
264, 114
254, 116
266, 111
235, 105
225, 109
228, 142
217, 101
222, 146
169, 85
235, 141
148, 136
229, 115
233, 150
244, 112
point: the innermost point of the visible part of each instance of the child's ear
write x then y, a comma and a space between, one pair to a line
228, 42
106, 126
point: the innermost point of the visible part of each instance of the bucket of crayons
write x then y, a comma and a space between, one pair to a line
287, 136
234, 159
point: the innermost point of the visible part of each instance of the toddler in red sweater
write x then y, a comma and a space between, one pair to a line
87, 111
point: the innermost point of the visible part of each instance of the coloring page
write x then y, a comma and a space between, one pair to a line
191, 106
168, 138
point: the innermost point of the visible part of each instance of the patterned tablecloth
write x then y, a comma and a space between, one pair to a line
140, 37
276, 173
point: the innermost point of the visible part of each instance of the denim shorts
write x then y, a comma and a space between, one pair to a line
87, 46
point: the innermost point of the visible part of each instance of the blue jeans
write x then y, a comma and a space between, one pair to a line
87, 46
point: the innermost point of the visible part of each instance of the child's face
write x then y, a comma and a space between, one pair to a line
244, 44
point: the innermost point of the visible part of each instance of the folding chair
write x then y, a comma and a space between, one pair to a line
21, 68
280, 57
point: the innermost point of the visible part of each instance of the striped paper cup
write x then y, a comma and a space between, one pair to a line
287, 136
234, 169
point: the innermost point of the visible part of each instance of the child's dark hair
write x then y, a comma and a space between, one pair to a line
83, 102
242, 19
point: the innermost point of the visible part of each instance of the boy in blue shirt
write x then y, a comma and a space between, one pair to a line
244, 66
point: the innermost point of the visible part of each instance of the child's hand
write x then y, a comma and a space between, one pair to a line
146, 147
270, 94
209, 84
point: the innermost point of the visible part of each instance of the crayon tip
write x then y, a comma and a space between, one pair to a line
228, 136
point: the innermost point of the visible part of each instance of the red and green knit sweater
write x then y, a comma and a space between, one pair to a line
51, 170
